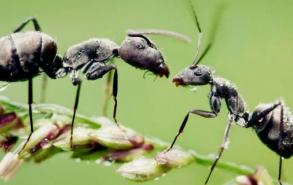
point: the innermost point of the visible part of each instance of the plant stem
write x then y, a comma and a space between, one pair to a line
159, 145
206, 160
45, 109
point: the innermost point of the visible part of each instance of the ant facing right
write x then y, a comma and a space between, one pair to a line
272, 122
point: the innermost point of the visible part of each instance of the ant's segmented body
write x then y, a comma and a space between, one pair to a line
92, 58
272, 122
220, 89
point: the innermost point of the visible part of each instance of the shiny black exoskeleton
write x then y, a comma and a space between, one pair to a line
92, 58
272, 122
24, 55
220, 89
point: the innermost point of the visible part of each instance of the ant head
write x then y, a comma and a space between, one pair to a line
139, 51
194, 75
262, 114
54, 69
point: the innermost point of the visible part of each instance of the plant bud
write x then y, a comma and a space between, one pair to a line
39, 138
115, 137
9, 122
130, 154
174, 158
142, 169
81, 136
9, 165
261, 177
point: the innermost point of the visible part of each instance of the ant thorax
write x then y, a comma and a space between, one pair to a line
92, 50
223, 87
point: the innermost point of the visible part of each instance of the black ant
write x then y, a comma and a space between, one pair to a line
24, 55
198, 74
93, 57
272, 122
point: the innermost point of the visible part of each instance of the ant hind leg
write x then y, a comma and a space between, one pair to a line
30, 101
24, 23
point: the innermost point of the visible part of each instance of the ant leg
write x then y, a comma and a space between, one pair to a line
114, 94
280, 170
202, 113
222, 148
74, 113
280, 140
98, 70
16, 62
30, 101
107, 93
24, 23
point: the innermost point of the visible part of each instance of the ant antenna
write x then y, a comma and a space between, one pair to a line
200, 36
176, 35
216, 20
204, 53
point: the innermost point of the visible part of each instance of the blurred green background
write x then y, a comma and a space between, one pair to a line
253, 48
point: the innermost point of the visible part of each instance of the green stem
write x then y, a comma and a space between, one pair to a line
45, 109
205, 160
229, 166
159, 145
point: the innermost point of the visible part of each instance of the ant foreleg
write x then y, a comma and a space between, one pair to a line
222, 148
98, 70
30, 102
202, 113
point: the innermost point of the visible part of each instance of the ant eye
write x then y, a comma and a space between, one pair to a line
140, 46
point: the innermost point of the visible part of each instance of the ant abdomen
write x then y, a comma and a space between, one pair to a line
274, 128
23, 53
